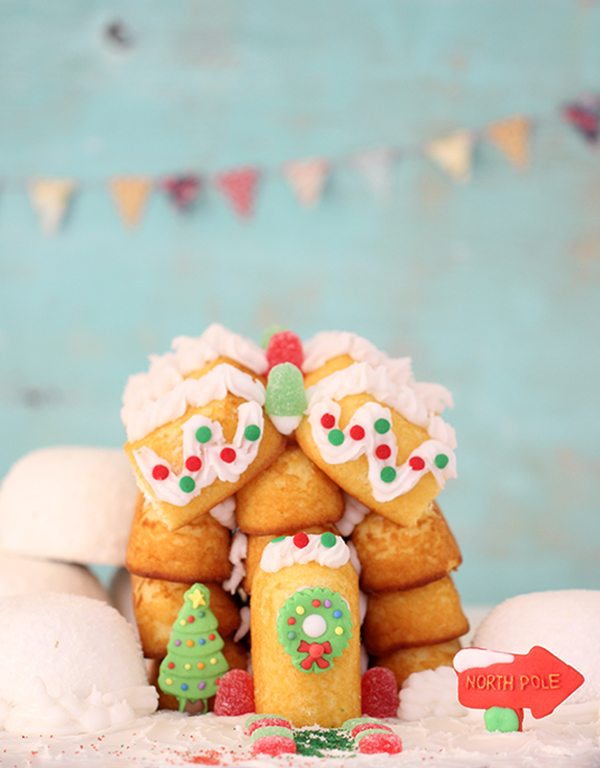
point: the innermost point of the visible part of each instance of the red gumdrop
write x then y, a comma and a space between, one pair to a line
368, 727
235, 694
280, 722
376, 743
274, 745
379, 693
285, 347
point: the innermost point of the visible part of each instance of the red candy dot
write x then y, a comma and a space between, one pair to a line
300, 540
416, 463
160, 472
193, 463
191, 619
316, 603
171, 665
327, 421
228, 455
211, 637
291, 620
383, 452
357, 432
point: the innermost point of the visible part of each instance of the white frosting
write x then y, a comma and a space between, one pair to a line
244, 627
329, 344
406, 477
142, 415
354, 559
224, 513
238, 552
354, 514
285, 425
363, 604
284, 553
167, 371
470, 658
212, 464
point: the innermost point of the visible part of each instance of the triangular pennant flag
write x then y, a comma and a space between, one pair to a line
375, 165
307, 179
584, 115
130, 194
453, 154
511, 137
239, 187
182, 190
50, 199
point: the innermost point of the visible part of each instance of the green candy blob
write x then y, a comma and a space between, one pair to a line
285, 391
501, 719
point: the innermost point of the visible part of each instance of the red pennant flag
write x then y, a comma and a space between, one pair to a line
182, 190
584, 115
239, 187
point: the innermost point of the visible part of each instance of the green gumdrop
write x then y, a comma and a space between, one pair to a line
501, 719
285, 391
270, 331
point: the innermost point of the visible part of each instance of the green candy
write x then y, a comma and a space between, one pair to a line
382, 426
388, 474
501, 719
328, 539
441, 460
270, 331
285, 391
349, 725
187, 484
203, 434
336, 437
271, 730
252, 432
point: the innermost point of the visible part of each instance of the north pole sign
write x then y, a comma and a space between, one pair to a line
538, 680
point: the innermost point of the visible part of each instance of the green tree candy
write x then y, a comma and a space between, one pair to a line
194, 660
285, 391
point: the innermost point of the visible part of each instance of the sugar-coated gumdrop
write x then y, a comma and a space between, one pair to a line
235, 694
285, 347
274, 745
379, 693
368, 727
285, 391
376, 743
263, 722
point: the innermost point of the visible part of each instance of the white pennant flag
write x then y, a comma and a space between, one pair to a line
50, 199
453, 154
375, 165
307, 179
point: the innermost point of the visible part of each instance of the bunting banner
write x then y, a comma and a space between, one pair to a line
375, 165
511, 137
584, 115
307, 179
182, 191
130, 194
452, 153
239, 187
50, 199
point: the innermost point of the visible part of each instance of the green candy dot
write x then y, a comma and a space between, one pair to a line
382, 426
328, 539
501, 719
336, 437
278, 538
203, 434
388, 474
441, 460
291, 635
252, 432
187, 484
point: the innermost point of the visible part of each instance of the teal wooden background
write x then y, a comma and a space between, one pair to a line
493, 287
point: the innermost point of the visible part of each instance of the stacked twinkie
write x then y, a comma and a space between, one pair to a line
328, 437
197, 432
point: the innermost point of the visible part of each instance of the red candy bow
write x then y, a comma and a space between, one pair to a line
314, 653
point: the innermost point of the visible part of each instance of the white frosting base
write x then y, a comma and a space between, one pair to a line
354, 514
285, 425
224, 513
238, 553
282, 554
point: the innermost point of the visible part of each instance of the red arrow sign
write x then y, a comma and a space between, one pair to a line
538, 680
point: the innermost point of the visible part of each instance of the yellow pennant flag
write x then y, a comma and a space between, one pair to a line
130, 194
453, 154
511, 137
50, 199
307, 179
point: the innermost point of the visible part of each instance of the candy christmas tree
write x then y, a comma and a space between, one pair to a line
194, 661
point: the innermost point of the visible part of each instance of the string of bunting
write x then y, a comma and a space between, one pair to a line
307, 178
